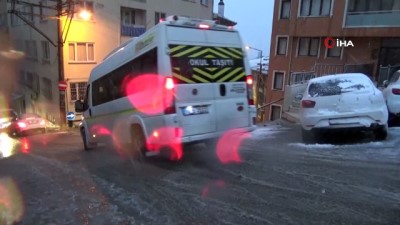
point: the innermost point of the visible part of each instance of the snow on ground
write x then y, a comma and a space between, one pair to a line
370, 150
266, 132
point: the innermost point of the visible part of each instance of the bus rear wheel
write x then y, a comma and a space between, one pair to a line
138, 144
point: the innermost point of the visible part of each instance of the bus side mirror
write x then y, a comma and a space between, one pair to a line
79, 106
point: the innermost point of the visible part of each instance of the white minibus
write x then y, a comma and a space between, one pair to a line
184, 80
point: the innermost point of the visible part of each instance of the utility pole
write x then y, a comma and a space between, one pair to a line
60, 52
58, 9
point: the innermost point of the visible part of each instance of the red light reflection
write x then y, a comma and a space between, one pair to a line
168, 138
228, 146
11, 203
212, 188
148, 93
25, 146
100, 130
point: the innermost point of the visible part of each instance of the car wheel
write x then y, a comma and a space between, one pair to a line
137, 149
307, 136
381, 133
86, 145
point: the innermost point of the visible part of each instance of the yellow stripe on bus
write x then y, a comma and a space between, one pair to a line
186, 52
229, 53
211, 69
198, 70
177, 48
183, 78
210, 57
227, 76
238, 77
222, 72
200, 79
209, 50
236, 51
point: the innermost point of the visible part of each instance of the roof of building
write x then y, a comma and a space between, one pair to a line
223, 20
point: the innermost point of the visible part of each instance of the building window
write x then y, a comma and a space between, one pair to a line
81, 52
128, 16
278, 80
32, 81
282, 46
334, 52
276, 112
47, 88
158, 17
45, 51
308, 46
373, 5
285, 9
77, 90
31, 49
315, 7
204, 2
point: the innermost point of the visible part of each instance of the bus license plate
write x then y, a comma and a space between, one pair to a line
194, 110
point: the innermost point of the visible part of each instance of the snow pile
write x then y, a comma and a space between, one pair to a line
313, 146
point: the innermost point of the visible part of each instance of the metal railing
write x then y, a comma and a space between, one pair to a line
132, 30
387, 18
268, 104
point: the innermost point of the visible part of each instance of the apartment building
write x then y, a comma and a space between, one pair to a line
303, 44
86, 42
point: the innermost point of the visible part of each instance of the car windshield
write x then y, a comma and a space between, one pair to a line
339, 86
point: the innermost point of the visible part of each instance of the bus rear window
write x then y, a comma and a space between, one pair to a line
206, 64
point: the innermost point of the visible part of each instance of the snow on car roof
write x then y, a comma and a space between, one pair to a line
339, 84
338, 76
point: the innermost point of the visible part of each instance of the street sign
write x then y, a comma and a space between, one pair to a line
62, 85
70, 116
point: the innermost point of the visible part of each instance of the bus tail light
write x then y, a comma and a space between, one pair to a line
169, 96
249, 83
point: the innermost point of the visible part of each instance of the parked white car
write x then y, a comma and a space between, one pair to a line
342, 101
392, 95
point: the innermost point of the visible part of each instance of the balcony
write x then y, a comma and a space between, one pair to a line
373, 19
132, 30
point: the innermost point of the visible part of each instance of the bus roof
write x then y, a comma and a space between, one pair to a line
137, 46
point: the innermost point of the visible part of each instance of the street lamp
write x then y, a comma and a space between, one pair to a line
261, 55
85, 15
61, 38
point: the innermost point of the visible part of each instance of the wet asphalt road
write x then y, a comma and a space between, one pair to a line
50, 180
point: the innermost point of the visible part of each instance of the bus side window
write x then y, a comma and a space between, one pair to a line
101, 92
149, 62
